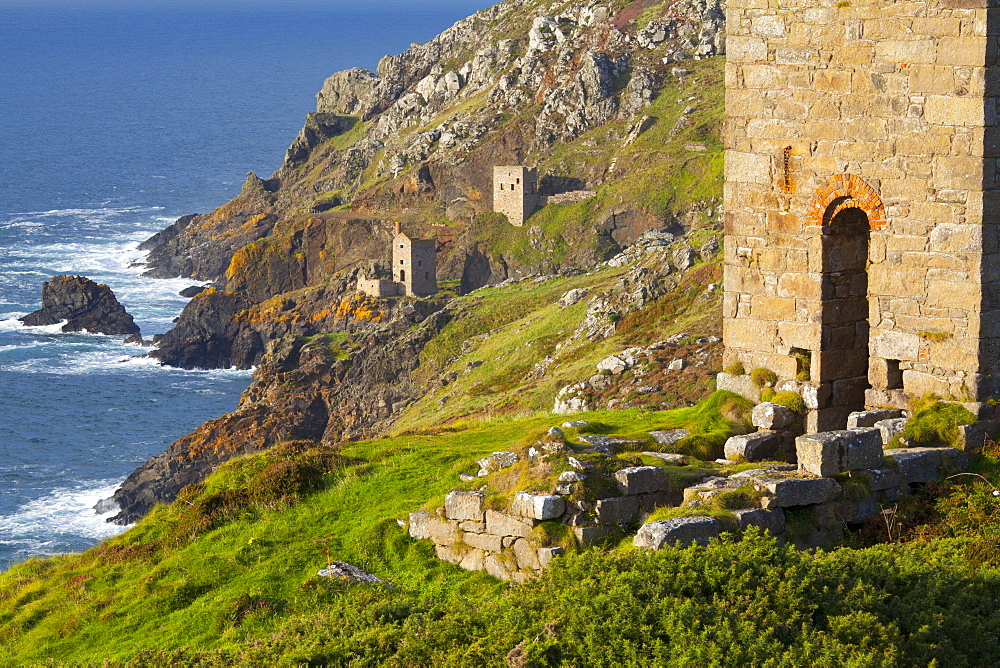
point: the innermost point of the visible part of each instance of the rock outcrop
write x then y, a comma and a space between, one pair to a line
324, 389
84, 305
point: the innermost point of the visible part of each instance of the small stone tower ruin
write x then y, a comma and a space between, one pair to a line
861, 248
414, 264
413, 273
515, 193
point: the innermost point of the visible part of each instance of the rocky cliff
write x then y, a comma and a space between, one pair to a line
84, 306
622, 100
417, 140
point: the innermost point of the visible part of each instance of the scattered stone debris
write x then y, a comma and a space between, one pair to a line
345, 571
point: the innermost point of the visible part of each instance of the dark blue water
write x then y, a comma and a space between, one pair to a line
115, 119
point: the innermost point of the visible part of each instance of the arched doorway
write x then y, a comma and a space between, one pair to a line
844, 315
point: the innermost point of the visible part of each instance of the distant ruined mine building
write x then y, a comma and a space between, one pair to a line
861, 248
515, 193
413, 273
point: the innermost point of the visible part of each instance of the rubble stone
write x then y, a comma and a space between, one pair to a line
917, 464
787, 492
670, 436
768, 415
770, 520
641, 480
547, 554
464, 506
832, 452
501, 524
757, 447
617, 510
870, 418
890, 428
538, 507
685, 530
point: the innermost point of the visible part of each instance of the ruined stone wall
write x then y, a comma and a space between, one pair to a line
378, 287
515, 193
885, 110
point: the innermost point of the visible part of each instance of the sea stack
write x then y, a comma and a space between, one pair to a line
84, 305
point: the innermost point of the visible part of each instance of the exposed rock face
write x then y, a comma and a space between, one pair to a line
302, 390
84, 305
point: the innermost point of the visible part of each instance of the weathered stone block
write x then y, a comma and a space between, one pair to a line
473, 560
758, 447
641, 480
896, 346
711, 485
418, 524
497, 567
464, 506
670, 436
769, 415
832, 452
547, 554
500, 524
450, 554
769, 520
473, 527
787, 492
571, 476
955, 459
685, 530
741, 385
590, 535
526, 555
917, 464
881, 479
443, 532
498, 460
538, 507
860, 419
854, 511
890, 429
617, 510
668, 458
483, 541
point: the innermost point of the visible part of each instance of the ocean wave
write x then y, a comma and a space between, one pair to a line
10, 323
63, 513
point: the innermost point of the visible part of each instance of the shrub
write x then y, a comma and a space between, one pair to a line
936, 423
282, 481
790, 400
762, 377
735, 369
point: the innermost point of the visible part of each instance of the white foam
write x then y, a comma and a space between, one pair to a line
66, 512
11, 324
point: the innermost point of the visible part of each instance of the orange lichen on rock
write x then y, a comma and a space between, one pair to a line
360, 307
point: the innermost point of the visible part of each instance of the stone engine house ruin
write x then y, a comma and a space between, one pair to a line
861, 251
413, 272
515, 193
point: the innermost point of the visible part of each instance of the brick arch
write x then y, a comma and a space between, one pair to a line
845, 191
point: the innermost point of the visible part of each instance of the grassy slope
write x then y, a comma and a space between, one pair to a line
155, 587
246, 593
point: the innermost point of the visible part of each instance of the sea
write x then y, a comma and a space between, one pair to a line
116, 118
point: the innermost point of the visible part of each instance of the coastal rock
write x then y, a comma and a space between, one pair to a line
84, 305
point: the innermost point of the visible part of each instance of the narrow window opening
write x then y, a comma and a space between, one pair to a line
517, 181
894, 375
803, 363
420, 263
402, 275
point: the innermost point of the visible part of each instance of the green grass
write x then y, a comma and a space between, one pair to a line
935, 423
